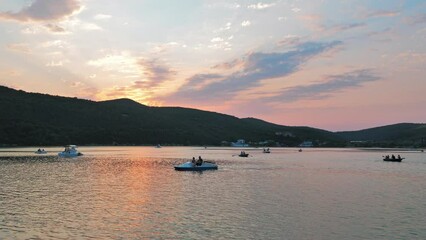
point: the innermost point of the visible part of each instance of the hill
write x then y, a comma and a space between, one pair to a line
402, 134
39, 119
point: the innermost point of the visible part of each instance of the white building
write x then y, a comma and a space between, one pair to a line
239, 143
306, 144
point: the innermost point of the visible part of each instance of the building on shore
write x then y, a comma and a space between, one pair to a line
239, 143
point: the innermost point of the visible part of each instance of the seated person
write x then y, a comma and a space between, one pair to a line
199, 161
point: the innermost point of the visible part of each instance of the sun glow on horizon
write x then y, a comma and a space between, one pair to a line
289, 62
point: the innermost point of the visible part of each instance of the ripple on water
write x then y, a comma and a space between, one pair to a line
135, 193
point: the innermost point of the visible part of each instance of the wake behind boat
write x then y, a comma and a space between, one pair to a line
70, 151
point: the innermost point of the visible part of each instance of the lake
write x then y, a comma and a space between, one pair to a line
134, 193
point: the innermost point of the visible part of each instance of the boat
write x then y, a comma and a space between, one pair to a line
393, 158
70, 151
190, 166
158, 146
266, 150
243, 154
40, 151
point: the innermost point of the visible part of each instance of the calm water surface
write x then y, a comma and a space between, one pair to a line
134, 193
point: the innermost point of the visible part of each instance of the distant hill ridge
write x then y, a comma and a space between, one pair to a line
396, 134
29, 119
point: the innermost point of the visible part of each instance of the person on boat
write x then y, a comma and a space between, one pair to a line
199, 161
193, 161
39, 150
393, 156
399, 157
387, 157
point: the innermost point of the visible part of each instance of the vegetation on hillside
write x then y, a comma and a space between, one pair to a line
396, 135
39, 119
29, 119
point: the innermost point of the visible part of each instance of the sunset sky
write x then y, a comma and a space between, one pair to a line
331, 64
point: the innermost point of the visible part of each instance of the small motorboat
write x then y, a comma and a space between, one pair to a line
40, 151
266, 150
70, 151
243, 154
190, 166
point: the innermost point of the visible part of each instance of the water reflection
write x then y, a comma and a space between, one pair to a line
134, 192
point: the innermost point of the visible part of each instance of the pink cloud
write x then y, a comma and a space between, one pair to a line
383, 14
44, 10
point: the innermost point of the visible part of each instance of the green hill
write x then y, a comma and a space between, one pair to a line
40, 119
29, 119
402, 134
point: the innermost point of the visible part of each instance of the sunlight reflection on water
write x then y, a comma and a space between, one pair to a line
134, 192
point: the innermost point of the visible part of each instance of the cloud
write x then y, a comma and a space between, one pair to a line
44, 10
147, 75
90, 27
229, 65
197, 81
417, 19
55, 28
255, 67
220, 43
122, 63
379, 32
217, 39
137, 91
19, 47
260, 6
316, 23
149, 72
60, 44
313, 21
164, 47
290, 40
245, 23
296, 9
344, 27
333, 84
382, 14
155, 72
54, 64
102, 17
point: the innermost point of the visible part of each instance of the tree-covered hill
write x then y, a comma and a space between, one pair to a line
40, 119
402, 134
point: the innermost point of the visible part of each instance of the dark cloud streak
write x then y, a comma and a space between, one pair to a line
256, 67
334, 83
155, 72
382, 13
